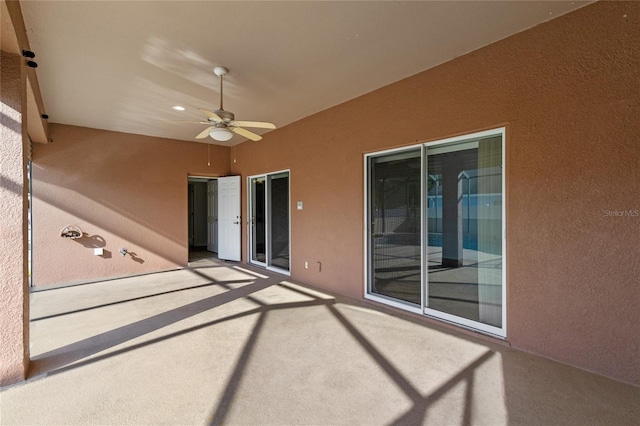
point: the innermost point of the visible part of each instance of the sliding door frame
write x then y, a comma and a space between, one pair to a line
423, 309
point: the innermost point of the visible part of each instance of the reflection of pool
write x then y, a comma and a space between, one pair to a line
469, 242
397, 239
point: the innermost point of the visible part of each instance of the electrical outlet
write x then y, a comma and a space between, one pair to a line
306, 265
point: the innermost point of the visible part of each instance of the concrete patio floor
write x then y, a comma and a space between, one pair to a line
225, 343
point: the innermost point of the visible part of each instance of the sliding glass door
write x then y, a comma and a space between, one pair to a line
435, 230
269, 221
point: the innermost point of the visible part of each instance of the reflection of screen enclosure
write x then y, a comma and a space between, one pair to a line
280, 221
258, 220
464, 243
461, 210
395, 225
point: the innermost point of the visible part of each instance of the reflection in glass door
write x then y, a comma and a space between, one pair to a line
269, 221
279, 220
258, 220
394, 226
464, 225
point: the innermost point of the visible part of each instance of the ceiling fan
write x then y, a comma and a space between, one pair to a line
222, 124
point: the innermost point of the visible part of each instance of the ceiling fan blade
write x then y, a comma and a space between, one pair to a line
255, 124
210, 114
189, 121
246, 133
205, 132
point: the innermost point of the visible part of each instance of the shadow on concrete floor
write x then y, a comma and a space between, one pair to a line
220, 345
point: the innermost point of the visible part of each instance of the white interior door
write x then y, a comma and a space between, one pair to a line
229, 218
212, 216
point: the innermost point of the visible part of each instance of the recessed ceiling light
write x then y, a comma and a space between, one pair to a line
178, 108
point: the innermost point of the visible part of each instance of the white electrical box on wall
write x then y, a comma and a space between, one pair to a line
299, 205
98, 251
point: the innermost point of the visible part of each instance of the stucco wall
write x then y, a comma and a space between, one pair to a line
14, 292
123, 191
568, 92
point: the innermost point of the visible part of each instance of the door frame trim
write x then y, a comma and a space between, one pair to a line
196, 178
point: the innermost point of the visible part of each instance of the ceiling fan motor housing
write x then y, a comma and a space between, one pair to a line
220, 71
225, 115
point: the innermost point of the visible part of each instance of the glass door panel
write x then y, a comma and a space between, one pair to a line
258, 220
464, 230
279, 221
394, 215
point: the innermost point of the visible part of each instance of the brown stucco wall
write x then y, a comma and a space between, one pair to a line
14, 291
568, 92
122, 190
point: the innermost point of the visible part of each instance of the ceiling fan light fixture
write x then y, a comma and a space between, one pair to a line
220, 134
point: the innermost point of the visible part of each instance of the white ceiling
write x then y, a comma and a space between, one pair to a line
122, 65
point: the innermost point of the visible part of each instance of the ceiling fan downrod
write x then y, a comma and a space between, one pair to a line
220, 72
